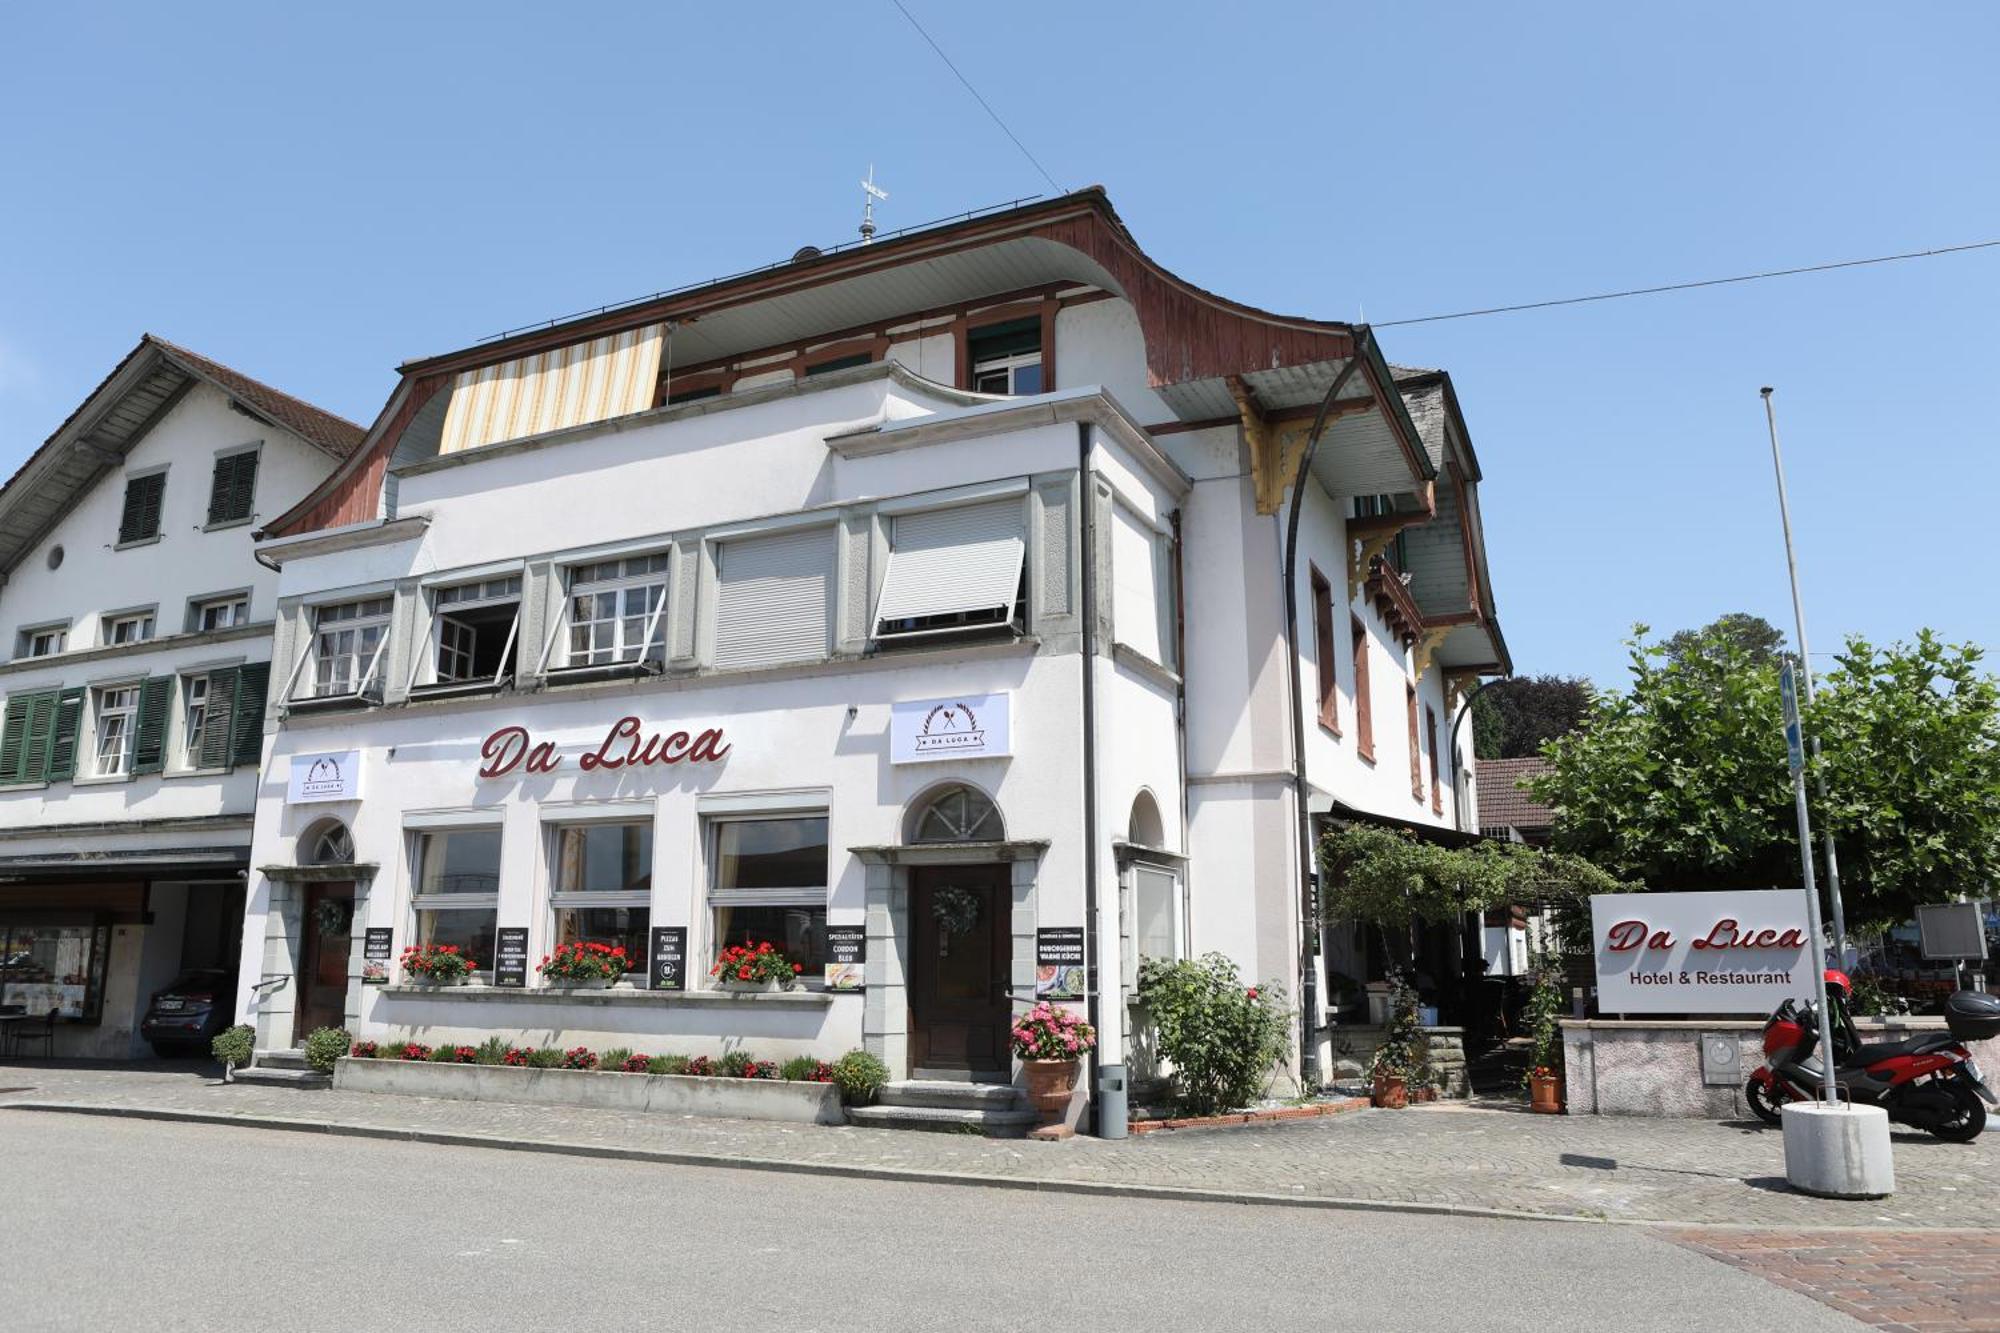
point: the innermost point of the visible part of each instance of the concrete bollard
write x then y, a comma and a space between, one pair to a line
1838, 1152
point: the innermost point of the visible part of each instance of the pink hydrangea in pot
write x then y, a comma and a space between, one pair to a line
1050, 1041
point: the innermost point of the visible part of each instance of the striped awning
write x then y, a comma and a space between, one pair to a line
590, 381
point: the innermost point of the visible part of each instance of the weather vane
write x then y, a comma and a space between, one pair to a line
870, 192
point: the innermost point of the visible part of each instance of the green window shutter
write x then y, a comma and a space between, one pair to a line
141, 519
218, 730
233, 489
253, 683
14, 739
68, 727
43, 707
149, 746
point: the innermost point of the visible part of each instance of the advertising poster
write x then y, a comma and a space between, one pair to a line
1059, 973
376, 947
666, 968
510, 957
847, 957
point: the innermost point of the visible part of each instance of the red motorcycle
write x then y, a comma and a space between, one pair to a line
1927, 1081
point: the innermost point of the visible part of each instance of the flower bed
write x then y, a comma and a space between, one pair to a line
803, 1090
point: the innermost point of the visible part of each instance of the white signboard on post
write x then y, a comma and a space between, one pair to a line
965, 726
324, 777
1701, 953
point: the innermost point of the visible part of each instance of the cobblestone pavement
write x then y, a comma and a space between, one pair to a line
1906, 1281
1446, 1155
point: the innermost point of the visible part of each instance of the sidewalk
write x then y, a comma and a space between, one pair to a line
1444, 1157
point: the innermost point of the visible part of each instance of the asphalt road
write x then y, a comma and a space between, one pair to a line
141, 1225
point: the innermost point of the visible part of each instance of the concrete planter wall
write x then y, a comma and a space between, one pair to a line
1654, 1068
670, 1094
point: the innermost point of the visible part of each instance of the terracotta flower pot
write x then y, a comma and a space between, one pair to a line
1545, 1094
1050, 1083
1391, 1093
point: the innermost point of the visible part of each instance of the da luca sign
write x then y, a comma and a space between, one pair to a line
1700, 953
965, 726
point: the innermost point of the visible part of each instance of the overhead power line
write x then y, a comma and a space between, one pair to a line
1689, 286
976, 97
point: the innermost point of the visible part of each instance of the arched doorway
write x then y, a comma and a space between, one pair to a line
326, 928
960, 939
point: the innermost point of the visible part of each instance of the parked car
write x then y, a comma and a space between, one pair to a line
186, 1016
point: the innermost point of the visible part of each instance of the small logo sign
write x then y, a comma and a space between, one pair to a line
325, 777
971, 726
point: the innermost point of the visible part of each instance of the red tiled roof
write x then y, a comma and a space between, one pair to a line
1502, 803
318, 427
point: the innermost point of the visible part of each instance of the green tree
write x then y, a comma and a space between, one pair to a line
1681, 782
1515, 718
1757, 638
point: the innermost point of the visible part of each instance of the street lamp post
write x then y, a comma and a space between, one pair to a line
1806, 683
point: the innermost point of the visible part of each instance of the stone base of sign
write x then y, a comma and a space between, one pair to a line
1354, 1045
1839, 1152
1653, 1067
668, 1094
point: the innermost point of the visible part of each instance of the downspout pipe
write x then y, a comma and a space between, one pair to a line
1108, 1119
1308, 863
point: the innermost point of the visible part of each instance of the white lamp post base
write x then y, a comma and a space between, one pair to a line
1839, 1152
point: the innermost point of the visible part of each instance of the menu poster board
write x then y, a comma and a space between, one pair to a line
666, 969
510, 956
377, 948
846, 957
1059, 969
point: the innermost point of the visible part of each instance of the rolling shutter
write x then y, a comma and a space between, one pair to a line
234, 488
771, 598
62, 739
141, 519
218, 734
253, 683
1137, 590
953, 569
14, 739
149, 745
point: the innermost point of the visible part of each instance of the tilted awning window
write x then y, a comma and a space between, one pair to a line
952, 570
606, 377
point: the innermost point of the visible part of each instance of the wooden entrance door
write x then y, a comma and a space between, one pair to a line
962, 952
323, 959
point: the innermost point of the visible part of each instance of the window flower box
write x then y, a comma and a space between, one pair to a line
585, 965
755, 968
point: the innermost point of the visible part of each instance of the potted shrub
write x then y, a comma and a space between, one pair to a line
436, 965
861, 1075
1542, 1016
326, 1045
754, 968
584, 965
1402, 1062
234, 1047
1050, 1042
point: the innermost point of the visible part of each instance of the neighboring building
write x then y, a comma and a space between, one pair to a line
915, 606
1506, 810
137, 644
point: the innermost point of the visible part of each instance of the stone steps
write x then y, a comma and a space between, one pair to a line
283, 1069
997, 1110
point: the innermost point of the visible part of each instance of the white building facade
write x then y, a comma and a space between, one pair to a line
917, 608
137, 631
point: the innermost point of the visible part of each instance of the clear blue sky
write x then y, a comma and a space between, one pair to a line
313, 193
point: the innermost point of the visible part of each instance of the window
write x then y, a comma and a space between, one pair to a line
957, 814
953, 570
136, 627
1416, 755
44, 642
1007, 358
54, 966
1329, 685
220, 613
194, 719
348, 639
456, 893
1364, 712
327, 843
233, 489
1437, 774
617, 611
475, 629
770, 884
140, 521
772, 595
117, 719
39, 735
1141, 587
1156, 912
604, 886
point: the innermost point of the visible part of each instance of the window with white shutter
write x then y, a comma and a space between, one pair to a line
953, 570
1140, 587
772, 598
